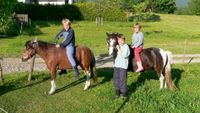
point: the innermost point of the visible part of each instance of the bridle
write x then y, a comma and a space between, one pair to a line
112, 42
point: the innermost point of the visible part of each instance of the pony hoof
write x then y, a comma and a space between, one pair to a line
86, 88
51, 92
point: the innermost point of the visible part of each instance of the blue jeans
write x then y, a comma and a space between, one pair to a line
70, 50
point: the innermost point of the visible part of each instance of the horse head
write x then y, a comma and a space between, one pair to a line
112, 42
29, 51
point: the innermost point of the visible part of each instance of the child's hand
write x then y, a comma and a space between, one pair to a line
57, 45
117, 47
132, 47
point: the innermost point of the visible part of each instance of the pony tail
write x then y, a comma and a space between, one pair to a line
169, 81
169, 55
93, 69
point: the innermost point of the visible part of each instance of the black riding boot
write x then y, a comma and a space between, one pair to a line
117, 94
76, 73
63, 71
125, 95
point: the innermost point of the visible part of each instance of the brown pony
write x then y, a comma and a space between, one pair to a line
152, 58
55, 58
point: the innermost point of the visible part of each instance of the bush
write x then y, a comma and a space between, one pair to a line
8, 24
79, 11
194, 7
164, 6
49, 12
90, 11
145, 17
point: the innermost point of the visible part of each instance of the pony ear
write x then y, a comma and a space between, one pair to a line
107, 34
35, 39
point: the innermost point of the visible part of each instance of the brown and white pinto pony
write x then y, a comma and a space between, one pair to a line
152, 58
55, 58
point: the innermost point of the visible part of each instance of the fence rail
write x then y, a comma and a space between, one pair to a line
10, 65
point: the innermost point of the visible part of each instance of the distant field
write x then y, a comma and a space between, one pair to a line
169, 33
19, 96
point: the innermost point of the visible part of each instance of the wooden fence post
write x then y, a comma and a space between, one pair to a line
31, 68
1, 70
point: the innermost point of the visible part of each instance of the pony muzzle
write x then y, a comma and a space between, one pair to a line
24, 59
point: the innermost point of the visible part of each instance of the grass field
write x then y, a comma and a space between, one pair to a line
170, 33
17, 95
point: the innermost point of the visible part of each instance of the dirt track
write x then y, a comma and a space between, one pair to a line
11, 65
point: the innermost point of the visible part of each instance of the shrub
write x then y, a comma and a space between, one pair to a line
164, 6
90, 11
49, 12
194, 7
79, 11
8, 24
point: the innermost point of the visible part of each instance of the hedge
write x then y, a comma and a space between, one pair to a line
90, 12
49, 12
79, 11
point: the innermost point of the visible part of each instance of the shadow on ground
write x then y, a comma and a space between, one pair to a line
21, 83
79, 81
176, 76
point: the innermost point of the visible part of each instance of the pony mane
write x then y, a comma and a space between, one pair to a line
42, 44
114, 35
45, 45
27, 43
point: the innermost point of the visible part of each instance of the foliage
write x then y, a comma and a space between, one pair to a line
8, 24
109, 10
49, 12
127, 5
88, 10
158, 6
164, 6
78, 11
139, 9
194, 7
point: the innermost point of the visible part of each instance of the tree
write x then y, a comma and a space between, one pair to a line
140, 8
194, 7
164, 6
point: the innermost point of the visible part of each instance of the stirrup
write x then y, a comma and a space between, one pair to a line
76, 75
62, 72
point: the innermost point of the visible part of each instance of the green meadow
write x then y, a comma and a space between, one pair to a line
169, 32
17, 95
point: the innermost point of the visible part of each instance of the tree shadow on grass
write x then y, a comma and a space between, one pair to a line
80, 80
147, 75
153, 32
105, 73
16, 84
176, 76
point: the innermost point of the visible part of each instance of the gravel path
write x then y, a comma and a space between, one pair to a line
11, 65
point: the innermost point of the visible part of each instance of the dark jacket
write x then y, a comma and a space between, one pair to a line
68, 37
